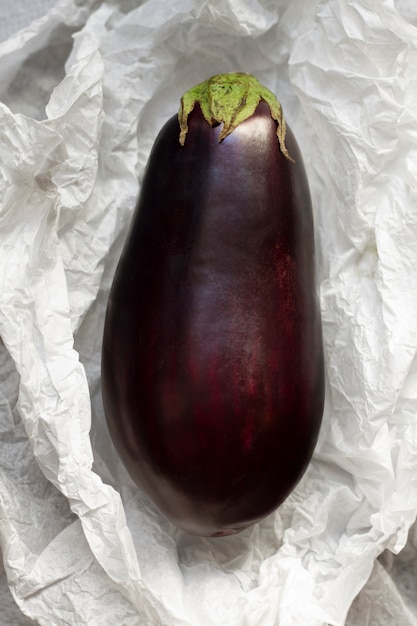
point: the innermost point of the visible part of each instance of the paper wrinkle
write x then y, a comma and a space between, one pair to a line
69, 179
367, 374
250, 19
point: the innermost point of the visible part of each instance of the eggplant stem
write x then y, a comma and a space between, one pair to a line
230, 99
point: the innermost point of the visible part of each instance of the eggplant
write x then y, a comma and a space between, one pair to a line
212, 357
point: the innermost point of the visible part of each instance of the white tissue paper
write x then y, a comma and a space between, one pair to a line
84, 91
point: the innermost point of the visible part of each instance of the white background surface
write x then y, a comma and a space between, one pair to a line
15, 15
396, 575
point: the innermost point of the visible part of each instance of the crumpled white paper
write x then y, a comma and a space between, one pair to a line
81, 545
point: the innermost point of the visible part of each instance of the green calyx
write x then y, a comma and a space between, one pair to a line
230, 99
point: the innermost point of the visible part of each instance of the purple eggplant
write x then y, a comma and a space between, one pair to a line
212, 360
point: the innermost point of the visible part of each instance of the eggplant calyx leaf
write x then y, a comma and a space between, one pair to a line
230, 99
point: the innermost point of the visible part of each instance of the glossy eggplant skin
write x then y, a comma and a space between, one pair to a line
212, 361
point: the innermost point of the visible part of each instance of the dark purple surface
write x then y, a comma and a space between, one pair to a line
212, 365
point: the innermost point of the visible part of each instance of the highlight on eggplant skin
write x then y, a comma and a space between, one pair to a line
212, 358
